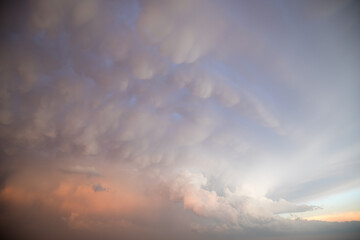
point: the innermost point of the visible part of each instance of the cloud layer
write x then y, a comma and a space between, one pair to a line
195, 119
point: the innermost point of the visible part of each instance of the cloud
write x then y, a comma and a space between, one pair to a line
4, 177
98, 188
201, 117
84, 11
87, 171
233, 209
177, 28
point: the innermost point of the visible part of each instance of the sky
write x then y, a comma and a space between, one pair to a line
180, 120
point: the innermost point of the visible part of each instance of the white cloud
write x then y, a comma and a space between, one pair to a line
234, 209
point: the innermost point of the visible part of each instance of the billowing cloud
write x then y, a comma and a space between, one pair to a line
176, 28
234, 209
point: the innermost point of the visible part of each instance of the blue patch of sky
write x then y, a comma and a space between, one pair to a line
347, 200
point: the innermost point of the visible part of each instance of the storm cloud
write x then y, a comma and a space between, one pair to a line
178, 119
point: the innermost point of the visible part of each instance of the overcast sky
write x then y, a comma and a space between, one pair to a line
180, 119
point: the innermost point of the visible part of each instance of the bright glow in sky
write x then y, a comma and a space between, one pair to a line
180, 119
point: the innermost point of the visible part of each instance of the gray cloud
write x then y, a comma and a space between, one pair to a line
98, 188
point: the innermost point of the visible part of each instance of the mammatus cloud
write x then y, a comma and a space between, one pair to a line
177, 119
177, 28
